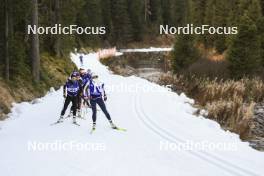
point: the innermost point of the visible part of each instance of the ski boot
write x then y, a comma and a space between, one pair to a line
60, 120
94, 126
79, 113
112, 124
74, 121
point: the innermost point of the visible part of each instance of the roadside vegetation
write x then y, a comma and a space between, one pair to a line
53, 73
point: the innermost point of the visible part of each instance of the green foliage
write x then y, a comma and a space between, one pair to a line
2, 25
260, 25
106, 17
245, 52
128, 21
254, 10
185, 52
262, 6
209, 20
167, 11
155, 11
122, 27
55, 70
179, 12
19, 62
220, 19
135, 10
90, 15
69, 11
198, 11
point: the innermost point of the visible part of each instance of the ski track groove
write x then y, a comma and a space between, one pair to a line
205, 156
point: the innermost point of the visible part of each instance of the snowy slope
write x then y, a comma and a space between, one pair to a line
157, 120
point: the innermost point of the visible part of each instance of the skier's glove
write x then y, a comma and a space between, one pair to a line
64, 95
105, 98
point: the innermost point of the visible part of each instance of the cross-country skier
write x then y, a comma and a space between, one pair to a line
70, 93
86, 76
95, 92
81, 59
79, 97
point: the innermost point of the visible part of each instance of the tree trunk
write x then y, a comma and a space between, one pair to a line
35, 58
146, 10
7, 75
57, 42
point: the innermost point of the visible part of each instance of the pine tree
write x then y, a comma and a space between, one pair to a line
262, 6
6, 41
254, 10
198, 12
180, 12
244, 52
209, 20
185, 52
19, 44
106, 18
135, 9
233, 17
2, 26
69, 15
221, 9
122, 31
35, 57
166, 6
155, 12
91, 15
57, 19
197, 16
260, 25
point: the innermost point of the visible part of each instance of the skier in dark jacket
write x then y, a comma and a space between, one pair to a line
85, 75
79, 97
81, 59
84, 78
70, 92
94, 91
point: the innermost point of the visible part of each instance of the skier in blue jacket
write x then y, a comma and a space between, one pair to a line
95, 92
79, 97
85, 75
71, 91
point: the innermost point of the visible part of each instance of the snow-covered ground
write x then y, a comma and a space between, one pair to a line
162, 137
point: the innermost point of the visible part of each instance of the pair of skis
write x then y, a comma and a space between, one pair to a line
58, 122
115, 128
93, 129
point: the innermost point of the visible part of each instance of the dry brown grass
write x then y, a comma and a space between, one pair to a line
229, 102
54, 72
